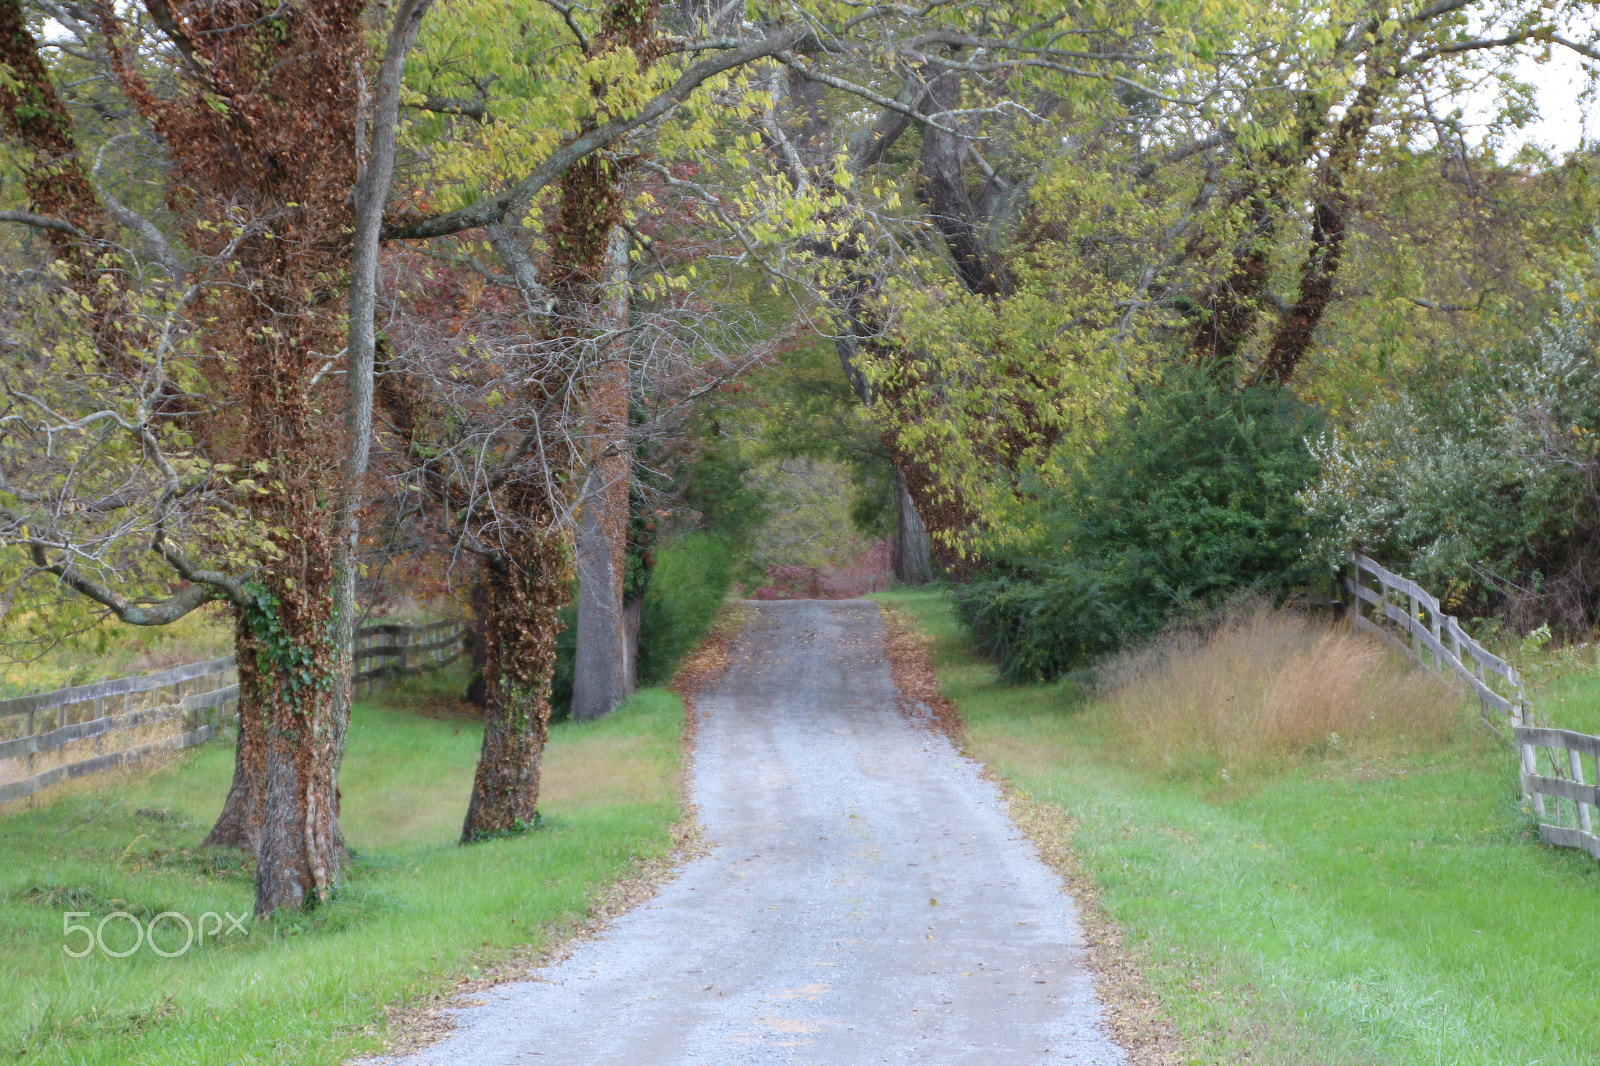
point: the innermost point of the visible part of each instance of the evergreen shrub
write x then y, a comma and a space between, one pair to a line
1189, 502
689, 582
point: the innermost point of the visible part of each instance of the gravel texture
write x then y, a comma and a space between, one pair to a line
865, 899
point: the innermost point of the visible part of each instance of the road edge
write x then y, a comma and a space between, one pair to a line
1135, 1018
417, 1024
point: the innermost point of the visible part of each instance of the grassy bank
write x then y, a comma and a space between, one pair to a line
418, 914
1345, 909
112, 649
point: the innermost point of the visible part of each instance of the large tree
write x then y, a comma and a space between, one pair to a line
1094, 199
209, 380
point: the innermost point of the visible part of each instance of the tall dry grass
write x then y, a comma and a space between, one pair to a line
1264, 686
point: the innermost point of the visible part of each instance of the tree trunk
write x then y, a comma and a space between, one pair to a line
524, 593
370, 193
600, 659
301, 852
281, 157
942, 187
1291, 341
1229, 309
239, 824
291, 617
948, 521
530, 569
601, 666
913, 561
54, 178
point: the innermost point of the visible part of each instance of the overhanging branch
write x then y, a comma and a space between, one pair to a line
28, 218
495, 209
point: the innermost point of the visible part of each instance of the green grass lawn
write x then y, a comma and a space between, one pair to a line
1569, 701
418, 912
1344, 911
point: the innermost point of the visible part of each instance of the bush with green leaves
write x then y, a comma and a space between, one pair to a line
1188, 502
1041, 618
690, 580
717, 489
1481, 478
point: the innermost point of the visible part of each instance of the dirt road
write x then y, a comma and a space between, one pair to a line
866, 899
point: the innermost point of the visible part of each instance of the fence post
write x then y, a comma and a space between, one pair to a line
1575, 763
1530, 766
1433, 626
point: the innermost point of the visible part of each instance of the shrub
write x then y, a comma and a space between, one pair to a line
1481, 479
1189, 502
1192, 498
561, 674
687, 585
1041, 621
717, 488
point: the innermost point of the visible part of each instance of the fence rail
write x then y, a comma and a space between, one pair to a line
88, 729
125, 689
1583, 797
1438, 642
387, 650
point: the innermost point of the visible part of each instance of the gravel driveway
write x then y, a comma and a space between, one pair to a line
866, 899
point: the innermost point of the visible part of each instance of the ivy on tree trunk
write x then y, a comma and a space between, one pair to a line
523, 591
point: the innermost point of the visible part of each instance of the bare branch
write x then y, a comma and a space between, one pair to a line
1582, 49
27, 218
166, 612
806, 67
1440, 7
154, 239
524, 273
567, 11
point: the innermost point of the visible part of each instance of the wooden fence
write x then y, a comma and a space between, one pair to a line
386, 651
1565, 788
1404, 614
88, 729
